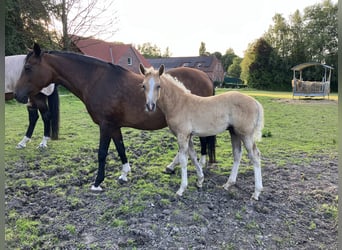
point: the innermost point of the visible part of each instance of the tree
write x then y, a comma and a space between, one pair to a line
93, 19
203, 50
167, 53
149, 51
234, 70
27, 22
227, 58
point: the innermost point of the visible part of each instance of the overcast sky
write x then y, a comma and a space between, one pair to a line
182, 25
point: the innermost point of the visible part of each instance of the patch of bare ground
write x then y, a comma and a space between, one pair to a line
294, 212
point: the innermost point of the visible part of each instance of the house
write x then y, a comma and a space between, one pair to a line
209, 64
121, 54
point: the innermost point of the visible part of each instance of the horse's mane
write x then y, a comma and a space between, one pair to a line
176, 82
79, 57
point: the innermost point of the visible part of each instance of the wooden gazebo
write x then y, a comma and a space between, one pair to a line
311, 88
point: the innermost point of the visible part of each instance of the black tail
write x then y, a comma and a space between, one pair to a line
53, 102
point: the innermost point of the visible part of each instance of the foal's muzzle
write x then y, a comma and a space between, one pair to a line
150, 106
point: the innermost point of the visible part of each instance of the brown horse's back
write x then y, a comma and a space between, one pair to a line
196, 80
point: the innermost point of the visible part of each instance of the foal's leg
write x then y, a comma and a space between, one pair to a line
237, 153
183, 143
254, 156
170, 169
193, 157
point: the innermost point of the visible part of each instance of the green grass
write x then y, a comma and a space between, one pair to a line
295, 131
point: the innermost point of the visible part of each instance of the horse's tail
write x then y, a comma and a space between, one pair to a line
53, 102
259, 125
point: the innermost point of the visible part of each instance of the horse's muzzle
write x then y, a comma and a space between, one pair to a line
22, 99
151, 107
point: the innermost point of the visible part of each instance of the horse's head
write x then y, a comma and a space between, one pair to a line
151, 85
34, 76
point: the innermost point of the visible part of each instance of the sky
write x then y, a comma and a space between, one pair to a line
181, 25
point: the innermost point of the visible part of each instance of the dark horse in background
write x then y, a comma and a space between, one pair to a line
111, 94
46, 102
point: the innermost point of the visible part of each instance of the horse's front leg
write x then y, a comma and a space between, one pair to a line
193, 157
183, 142
33, 117
47, 126
102, 155
120, 147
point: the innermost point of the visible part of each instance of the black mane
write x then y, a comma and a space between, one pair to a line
79, 57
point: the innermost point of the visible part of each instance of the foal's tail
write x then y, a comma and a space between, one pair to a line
259, 125
53, 102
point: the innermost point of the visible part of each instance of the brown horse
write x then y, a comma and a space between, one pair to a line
110, 93
188, 115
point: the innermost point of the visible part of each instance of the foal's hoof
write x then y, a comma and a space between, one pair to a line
169, 171
96, 189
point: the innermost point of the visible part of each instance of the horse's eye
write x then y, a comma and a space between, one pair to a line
143, 86
27, 67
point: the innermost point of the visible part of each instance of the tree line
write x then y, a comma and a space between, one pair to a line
305, 36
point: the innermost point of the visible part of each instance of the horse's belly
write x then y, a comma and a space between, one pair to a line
212, 129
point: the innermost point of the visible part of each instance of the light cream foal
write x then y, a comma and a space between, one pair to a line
188, 115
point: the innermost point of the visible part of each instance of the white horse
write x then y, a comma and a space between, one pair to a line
188, 115
13, 68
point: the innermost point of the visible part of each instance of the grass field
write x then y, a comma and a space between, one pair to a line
296, 131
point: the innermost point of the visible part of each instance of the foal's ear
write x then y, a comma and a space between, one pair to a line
142, 69
36, 49
161, 69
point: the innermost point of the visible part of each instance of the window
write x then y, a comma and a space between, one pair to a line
129, 61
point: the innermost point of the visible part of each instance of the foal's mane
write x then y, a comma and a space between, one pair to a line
167, 77
175, 82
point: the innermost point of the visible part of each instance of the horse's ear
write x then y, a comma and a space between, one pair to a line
142, 69
161, 69
36, 49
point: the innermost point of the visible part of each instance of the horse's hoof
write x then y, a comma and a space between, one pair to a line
255, 196
96, 189
122, 181
19, 146
169, 171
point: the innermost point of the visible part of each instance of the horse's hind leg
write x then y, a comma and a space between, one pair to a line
45, 114
33, 117
120, 147
254, 156
170, 169
237, 154
193, 157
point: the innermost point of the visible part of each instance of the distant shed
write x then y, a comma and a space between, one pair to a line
306, 88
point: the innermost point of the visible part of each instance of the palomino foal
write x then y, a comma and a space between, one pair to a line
187, 115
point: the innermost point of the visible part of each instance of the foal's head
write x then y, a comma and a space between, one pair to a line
151, 85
